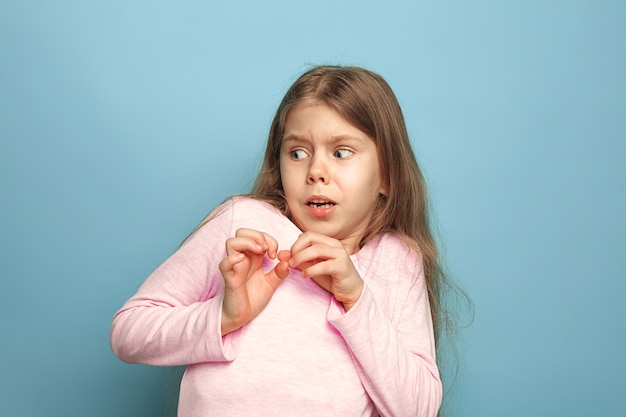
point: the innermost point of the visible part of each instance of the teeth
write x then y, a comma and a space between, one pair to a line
320, 204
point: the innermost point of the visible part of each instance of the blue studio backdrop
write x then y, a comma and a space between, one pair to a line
122, 123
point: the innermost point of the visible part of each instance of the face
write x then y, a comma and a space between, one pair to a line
330, 174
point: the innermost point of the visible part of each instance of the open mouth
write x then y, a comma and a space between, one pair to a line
320, 203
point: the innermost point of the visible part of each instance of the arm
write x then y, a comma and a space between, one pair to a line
396, 362
175, 316
394, 354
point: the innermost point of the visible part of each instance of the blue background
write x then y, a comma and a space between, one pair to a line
122, 123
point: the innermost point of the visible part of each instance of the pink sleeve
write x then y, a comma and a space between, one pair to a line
175, 316
395, 361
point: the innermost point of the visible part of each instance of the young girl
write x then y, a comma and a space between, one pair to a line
317, 294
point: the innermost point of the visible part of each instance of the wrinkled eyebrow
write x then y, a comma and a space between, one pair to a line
292, 137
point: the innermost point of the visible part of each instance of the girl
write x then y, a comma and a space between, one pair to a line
317, 294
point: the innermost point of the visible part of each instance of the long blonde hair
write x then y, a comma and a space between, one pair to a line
366, 100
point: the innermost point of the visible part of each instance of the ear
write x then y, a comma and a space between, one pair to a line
384, 190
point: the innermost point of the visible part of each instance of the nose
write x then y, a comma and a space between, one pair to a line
318, 171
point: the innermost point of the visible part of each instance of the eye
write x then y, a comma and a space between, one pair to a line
343, 153
297, 154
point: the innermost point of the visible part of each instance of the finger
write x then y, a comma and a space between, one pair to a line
267, 242
228, 263
312, 255
284, 255
276, 276
243, 244
255, 235
272, 246
303, 241
318, 269
308, 239
282, 270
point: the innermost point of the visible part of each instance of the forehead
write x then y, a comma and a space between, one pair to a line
318, 120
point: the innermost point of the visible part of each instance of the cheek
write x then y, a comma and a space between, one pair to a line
284, 173
375, 183
287, 180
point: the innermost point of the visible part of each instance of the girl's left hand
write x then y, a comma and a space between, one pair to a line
326, 261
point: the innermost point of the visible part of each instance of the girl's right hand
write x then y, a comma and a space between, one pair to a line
247, 289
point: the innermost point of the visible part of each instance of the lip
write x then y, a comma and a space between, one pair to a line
320, 206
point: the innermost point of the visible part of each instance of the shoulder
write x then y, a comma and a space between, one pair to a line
250, 208
391, 246
243, 202
393, 270
389, 252
251, 213
240, 206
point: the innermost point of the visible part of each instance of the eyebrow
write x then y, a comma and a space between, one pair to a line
338, 138
292, 137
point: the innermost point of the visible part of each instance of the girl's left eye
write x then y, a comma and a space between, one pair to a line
343, 153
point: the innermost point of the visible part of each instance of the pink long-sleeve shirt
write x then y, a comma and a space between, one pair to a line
303, 355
